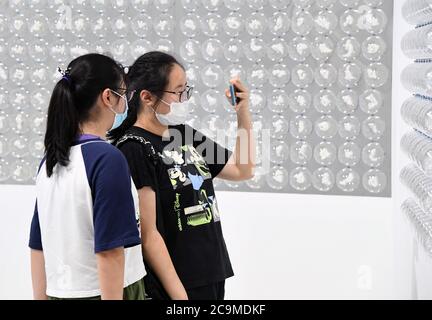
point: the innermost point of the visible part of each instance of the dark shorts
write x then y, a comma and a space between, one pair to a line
214, 291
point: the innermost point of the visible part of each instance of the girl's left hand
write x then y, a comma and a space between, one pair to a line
241, 93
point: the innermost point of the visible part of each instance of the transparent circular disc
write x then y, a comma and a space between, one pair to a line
139, 47
190, 25
373, 155
19, 99
235, 71
233, 24
372, 20
256, 24
302, 23
300, 179
279, 152
348, 101
326, 75
279, 76
373, 128
212, 50
375, 181
164, 45
326, 127
302, 76
211, 100
277, 178
348, 48
301, 127
120, 49
19, 146
255, 49
233, 50
212, 75
325, 101
323, 179
164, 25
141, 25
211, 25
376, 75
322, 48
39, 99
326, 22
300, 101
257, 100
350, 74
21, 171
371, 101
36, 147
258, 180
325, 153
38, 50
301, 153
277, 50
349, 154
347, 180
278, 101
279, 24
373, 48
349, 128
279, 127
348, 21
193, 75
190, 50
78, 48
38, 26
257, 76
299, 49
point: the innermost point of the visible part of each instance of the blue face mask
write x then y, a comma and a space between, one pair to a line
120, 117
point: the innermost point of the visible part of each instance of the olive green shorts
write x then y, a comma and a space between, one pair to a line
135, 291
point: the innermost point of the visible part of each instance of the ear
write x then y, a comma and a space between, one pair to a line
147, 98
107, 97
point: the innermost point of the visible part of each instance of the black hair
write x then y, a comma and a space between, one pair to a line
71, 101
149, 72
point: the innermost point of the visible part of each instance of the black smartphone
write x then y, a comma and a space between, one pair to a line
234, 100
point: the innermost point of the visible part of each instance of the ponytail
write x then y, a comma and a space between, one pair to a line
62, 126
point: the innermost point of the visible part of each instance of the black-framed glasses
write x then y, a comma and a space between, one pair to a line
183, 95
129, 94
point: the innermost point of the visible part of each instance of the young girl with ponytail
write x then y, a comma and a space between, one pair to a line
84, 239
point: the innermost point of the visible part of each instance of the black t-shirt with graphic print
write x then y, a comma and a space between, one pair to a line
187, 211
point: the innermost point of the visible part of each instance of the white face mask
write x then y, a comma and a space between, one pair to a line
178, 114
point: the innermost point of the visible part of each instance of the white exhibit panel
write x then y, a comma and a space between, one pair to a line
416, 143
319, 74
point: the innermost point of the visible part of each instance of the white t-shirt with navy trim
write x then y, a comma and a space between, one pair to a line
88, 207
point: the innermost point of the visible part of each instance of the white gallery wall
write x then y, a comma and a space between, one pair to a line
282, 246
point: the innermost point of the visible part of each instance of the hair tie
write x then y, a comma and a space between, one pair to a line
65, 74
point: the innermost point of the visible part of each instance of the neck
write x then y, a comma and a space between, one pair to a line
148, 121
94, 129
